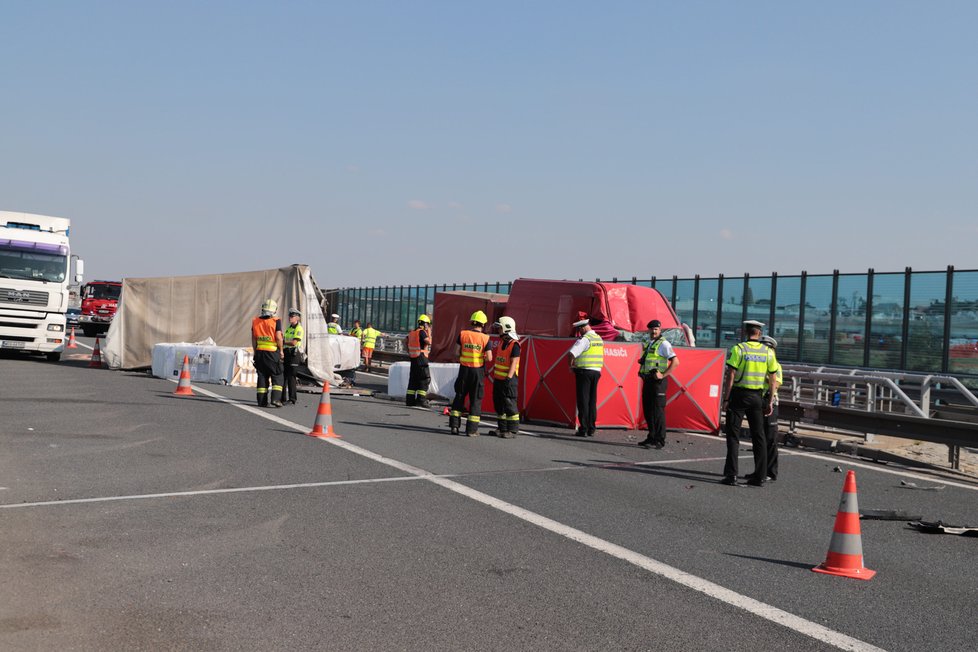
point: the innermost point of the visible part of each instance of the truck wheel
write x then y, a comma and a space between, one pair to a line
54, 356
89, 331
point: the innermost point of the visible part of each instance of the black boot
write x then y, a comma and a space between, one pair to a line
454, 423
471, 428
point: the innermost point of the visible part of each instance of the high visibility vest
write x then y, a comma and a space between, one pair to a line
767, 385
414, 344
357, 332
333, 328
296, 333
473, 348
593, 358
370, 336
503, 359
651, 360
263, 330
752, 362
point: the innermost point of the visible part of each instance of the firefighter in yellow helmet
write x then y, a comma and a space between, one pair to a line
505, 368
473, 353
419, 348
267, 344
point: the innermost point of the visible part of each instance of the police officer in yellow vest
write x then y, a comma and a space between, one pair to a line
505, 369
658, 361
293, 340
473, 353
771, 420
419, 377
333, 325
266, 342
587, 359
750, 365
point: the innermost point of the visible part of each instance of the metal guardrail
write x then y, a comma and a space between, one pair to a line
874, 402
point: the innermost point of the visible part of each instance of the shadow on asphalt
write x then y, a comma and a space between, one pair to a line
782, 562
392, 426
694, 475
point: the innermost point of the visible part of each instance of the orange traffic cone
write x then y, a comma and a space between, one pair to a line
845, 557
183, 385
324, 416
72, 344
96, 361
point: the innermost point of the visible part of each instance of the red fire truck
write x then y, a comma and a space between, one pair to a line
100, 300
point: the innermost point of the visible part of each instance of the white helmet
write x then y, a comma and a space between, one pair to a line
508, 325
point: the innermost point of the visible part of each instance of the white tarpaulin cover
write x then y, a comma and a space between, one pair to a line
345, 351
443, 375
216, 306
208, 363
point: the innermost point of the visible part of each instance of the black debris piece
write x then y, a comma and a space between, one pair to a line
939, 527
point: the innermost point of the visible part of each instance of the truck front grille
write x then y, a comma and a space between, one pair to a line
23, 297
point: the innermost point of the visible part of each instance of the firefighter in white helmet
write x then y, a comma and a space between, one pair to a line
419, 378
506, 367
473, 353
267, 344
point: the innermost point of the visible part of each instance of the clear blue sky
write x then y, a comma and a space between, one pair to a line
423, 142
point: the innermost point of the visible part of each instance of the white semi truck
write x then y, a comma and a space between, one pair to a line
34, 266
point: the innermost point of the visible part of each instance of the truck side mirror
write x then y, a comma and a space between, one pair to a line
79, 270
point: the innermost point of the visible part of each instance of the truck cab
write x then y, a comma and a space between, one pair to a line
34, 257
100, 301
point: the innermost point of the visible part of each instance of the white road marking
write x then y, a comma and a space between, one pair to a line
761, 609
205, 492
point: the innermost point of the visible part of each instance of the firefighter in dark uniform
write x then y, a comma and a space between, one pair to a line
266, 342
294, 336
419, 348
505, 369
750, 365
473, 353
658, 361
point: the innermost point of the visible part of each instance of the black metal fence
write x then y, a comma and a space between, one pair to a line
914, 321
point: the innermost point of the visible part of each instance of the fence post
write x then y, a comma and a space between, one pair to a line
719, 317
803, 286
948, 300
695, 317
905, 327
772, 313
743, 299
869, 316
833, 314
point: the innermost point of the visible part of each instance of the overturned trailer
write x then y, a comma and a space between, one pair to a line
218, 307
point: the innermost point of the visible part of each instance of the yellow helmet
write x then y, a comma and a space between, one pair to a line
478, 317
424, 319
270, 306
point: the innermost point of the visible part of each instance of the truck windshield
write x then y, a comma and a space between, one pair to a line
30, 264
103, 291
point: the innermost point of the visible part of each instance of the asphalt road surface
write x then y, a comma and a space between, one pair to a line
134, 519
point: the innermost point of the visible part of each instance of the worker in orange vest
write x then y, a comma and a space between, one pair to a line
419, 348
269, 354
505, 369
473, 353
